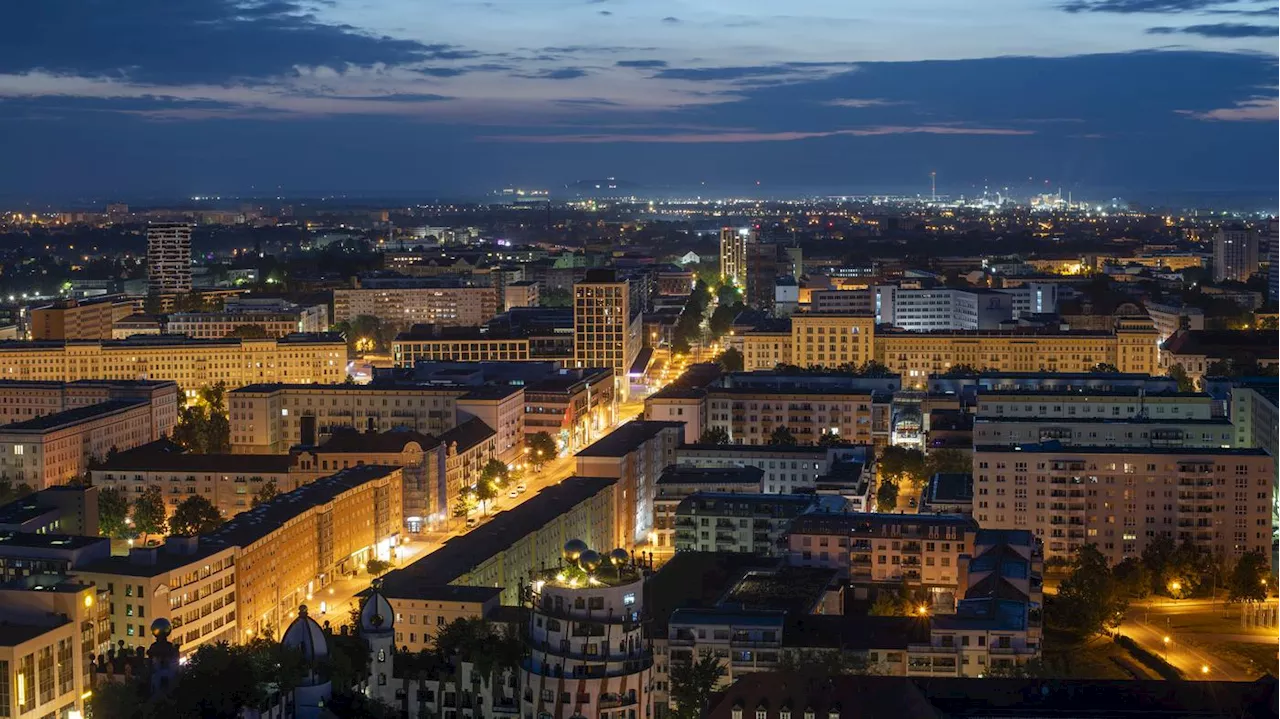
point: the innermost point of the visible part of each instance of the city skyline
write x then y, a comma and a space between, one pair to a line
183, 98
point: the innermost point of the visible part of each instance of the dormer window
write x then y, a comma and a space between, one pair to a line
762, 713
737, 713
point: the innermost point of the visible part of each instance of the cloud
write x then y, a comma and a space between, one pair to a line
641, 63
1219, 30
192, 41
750, 136
722, 73
1257, 109
605, 13
859, 103
1126, 7
560, 73
670, 20
1260, 12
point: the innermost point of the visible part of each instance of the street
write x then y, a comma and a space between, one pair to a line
1202, 634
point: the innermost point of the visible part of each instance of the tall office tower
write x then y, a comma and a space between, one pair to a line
733, 253
606, 326
1235, 253
765, 264
169, 258
1273, 259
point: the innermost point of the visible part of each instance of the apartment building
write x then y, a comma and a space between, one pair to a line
1254, 416
1138, 431
216, 325
678, 482
1117, 404
406, 301
57, 448
1168, 318
765, 349
747, 523
1131, 347
1235, 253
42, 665
168, 258
272, 418
831, 340
636, 454
1121, 499
502, 553
23, 400
189, 362
412, 347
310, 318
842, 301
751, 407
228, 481
467, 448
574, 406
289, 549
421, 458
24, 554
607, 323
998, 620
61, 509
942, 308
917, 550
733, 254
1197, 351
501, 407
89, 319
191, 585
788, 469
520, 294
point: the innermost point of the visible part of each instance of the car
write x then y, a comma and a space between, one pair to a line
472, 522
521, 488
513, 494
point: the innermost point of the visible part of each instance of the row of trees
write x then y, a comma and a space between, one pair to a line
120, 518
1093, 597
899, 465
689, 325
203, 426
494, 477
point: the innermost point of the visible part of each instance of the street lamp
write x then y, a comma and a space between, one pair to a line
1204, 668
922, 610
1166, 647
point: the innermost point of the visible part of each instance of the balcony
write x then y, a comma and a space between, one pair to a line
613, 701
726, 539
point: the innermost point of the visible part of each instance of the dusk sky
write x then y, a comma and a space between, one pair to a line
180, 97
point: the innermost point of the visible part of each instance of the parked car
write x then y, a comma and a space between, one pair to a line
472, 522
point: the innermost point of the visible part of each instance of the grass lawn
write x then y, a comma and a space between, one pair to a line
1095, 658
1260, 657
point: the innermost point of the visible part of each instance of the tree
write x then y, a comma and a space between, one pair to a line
1104, 368
1089, 600
872, 368
466, 502
887, 495
203, 426
113, 510
376, 566
822, 663
731, 360
960, 370
722, 318
692, 685
542, 449
1133, 577
714, 435
887, 604
1179, 374
267, 492
902, 464
782, 437
10, 492
148, 511
494, 472
830, 439
555, 297
195, 515
249, 332
485, 492
947, 461
1248, 580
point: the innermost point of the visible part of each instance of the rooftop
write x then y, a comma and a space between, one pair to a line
696, 580
75, 416
11, 635
348, 440
152, 561
60, 542
1054, 447
755, 448
248, 527
165, 456
875, 523
461, 554
1213, 421
628, 437
468, 434
684, 474
949, 487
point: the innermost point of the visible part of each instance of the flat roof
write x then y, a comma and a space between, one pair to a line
720, 615
134, 564
164, 456
248, 527
1058, 448
627, 438
684, 474
31, 540
75, 416
1213, 421
754, 448
11, 635
464, 553
854, 523
949, 487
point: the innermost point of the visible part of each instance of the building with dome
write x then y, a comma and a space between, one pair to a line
309, 698
588, 655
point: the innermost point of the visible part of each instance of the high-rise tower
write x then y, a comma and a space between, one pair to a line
169, 258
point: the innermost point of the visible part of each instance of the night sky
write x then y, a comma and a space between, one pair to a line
128, 98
